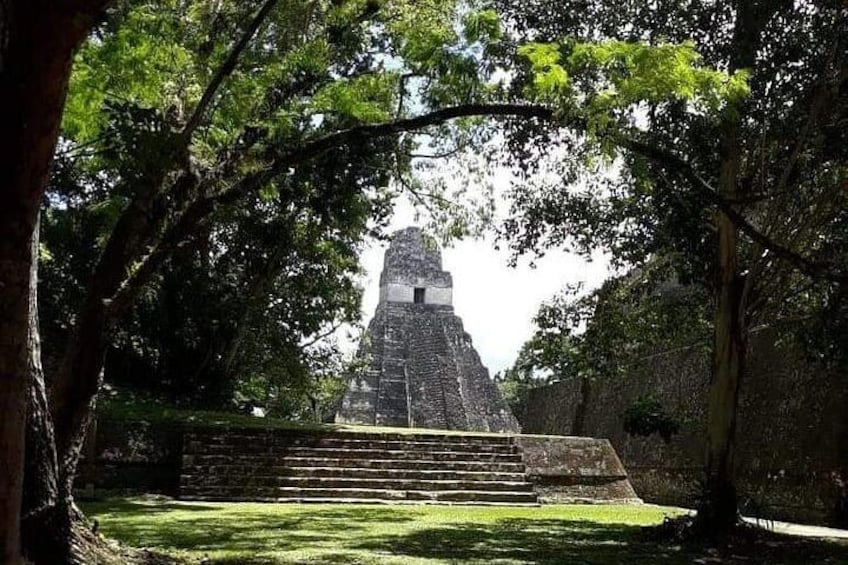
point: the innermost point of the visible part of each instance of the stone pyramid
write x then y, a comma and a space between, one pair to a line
423, 371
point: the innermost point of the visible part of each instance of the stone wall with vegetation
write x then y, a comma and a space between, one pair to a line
792, 449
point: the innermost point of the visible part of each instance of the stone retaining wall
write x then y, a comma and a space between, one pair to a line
132, 456
792, 449
139, 456
575, 469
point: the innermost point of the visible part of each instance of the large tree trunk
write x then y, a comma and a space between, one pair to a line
37, 40
47, 528
74, 388
53, 529
36, 45
73, 392
79, 379
718, 509
16, 280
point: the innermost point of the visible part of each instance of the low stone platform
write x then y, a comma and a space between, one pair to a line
569, 470
423, 467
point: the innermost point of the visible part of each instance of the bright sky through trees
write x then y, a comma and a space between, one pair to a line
496, 302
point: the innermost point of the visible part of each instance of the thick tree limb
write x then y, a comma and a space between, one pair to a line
150, 196
657, 154
437, 117
200, 210
676, 163
226, 69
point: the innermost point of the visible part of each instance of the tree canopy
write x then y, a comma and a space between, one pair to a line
223, 161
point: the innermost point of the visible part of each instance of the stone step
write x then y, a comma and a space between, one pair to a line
359, 473
250, 434
417, 445
258, 462
339, 453
263, 481
338, 500
417, 468
297, 493
230, 445
435, 455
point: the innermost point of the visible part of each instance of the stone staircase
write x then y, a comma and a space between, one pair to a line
339, 466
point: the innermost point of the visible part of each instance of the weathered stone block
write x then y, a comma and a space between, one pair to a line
575, 469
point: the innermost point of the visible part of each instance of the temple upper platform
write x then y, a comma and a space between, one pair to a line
412, 271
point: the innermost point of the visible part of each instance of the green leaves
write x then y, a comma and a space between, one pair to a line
440, 49
550, 79
608, 76
601, 334
483, 26
648, 416
146, 61
366, 98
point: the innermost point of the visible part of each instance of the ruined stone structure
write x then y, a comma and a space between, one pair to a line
791, 453
334, 464
424, 373
423, 370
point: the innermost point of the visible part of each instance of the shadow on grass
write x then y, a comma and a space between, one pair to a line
132, 506
251, 529
572, 541
529, 541
255, 534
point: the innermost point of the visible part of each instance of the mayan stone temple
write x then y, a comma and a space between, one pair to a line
423, 371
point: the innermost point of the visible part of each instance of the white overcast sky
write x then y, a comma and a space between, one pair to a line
495, 301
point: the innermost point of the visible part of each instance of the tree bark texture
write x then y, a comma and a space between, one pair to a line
73, 404
578, 424
718, 510
46, 518
37, 40
16, 277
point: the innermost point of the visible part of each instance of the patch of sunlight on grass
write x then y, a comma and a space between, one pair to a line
295, 533
268, 534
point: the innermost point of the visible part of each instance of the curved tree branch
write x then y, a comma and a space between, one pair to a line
226, 69
674, 162
199, 211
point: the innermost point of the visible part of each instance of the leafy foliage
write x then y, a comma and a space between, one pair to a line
598, 335
656, 73
613, 74
739, 199
172, 195
647, 416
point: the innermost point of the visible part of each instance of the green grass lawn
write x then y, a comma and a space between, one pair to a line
297, 533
